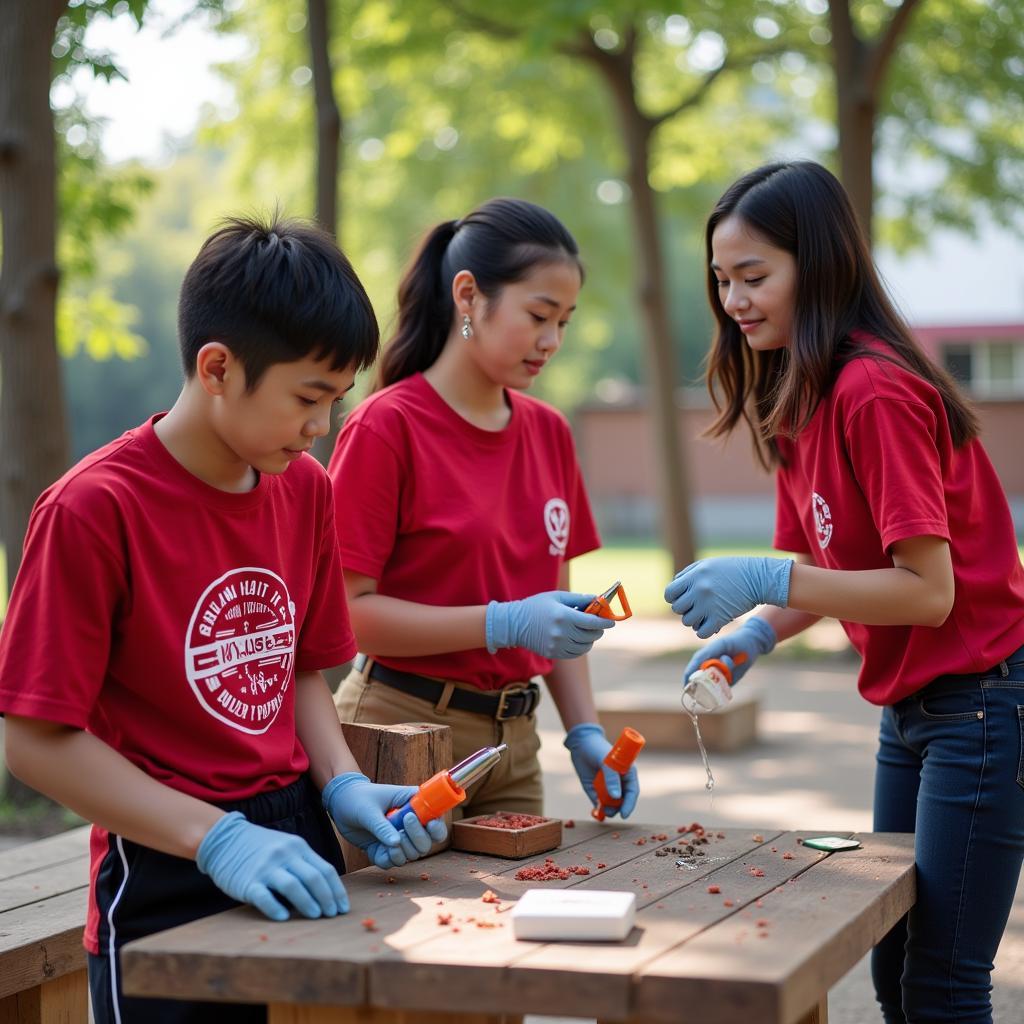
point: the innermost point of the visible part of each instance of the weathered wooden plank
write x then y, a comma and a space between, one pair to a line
32, 886
31, 856
480, 967
43, 943
579, 979
816, 928
259, 966
243, 956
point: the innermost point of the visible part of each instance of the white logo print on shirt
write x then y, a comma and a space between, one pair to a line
240, 648
822, 519
556, 522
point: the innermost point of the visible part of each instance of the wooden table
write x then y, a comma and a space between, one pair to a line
787, 923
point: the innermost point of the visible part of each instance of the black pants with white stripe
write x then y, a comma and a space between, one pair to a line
140, 891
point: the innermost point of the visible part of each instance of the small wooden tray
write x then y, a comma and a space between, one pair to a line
514, 843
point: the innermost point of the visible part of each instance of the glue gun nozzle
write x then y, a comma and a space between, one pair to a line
468, 771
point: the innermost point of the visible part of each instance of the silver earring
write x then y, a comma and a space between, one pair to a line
467, 327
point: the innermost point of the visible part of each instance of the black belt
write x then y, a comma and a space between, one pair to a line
511, 702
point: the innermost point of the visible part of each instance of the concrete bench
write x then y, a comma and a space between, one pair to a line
663, 723
43, 898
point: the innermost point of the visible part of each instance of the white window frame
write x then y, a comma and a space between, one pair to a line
981, 384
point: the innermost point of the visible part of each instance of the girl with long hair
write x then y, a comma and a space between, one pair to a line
900, 529
456, 540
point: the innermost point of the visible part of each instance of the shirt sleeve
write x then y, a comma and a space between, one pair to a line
367, 481
56, 639
790, 535
326, 637
893, 448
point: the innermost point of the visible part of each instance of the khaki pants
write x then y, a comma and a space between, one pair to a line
513, 784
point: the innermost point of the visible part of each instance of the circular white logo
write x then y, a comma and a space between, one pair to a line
556, 522
822, 519
240, 648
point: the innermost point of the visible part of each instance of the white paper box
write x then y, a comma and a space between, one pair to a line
587, 914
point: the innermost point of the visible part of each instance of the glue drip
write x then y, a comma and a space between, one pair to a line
710, 784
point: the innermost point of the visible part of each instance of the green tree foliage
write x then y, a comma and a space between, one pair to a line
955, 103
440, 115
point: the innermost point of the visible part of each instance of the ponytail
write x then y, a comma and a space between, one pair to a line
424, 311
499, 243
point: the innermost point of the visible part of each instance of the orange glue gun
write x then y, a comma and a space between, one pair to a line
602, 604
619, 759
447, 789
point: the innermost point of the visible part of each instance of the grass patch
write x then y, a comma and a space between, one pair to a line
645, 570
40, 818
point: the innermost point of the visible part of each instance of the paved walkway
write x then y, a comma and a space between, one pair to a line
813, 767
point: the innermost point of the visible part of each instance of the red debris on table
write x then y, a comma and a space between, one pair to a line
369, 924
490, 897
714, 889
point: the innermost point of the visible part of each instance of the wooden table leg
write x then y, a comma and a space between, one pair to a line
287, 1013
819, 1015
65, 1000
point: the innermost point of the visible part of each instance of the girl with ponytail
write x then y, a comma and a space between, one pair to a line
460, 503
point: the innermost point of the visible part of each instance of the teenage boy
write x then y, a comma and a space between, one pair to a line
180, 592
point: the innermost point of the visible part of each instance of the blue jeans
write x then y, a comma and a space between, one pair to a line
951, 769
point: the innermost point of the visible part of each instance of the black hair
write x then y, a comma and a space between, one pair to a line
275, 291
500, 242
802, 208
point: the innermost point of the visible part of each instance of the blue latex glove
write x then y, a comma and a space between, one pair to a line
589, 747
549, 624
358, 807
251, 863
710, 593
754, 638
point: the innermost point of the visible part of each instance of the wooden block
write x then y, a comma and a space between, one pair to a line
401, 755
514, 843
668, 727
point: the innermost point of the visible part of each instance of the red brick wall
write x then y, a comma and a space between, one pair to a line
616, 452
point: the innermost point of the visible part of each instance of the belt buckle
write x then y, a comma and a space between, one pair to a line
500, 715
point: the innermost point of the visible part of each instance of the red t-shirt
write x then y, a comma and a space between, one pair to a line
441, 512
876, 465
169, 618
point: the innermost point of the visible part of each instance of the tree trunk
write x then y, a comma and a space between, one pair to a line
860, 72
328, 118
662, 372
33, 445
856, 118
855, 113
328, 155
